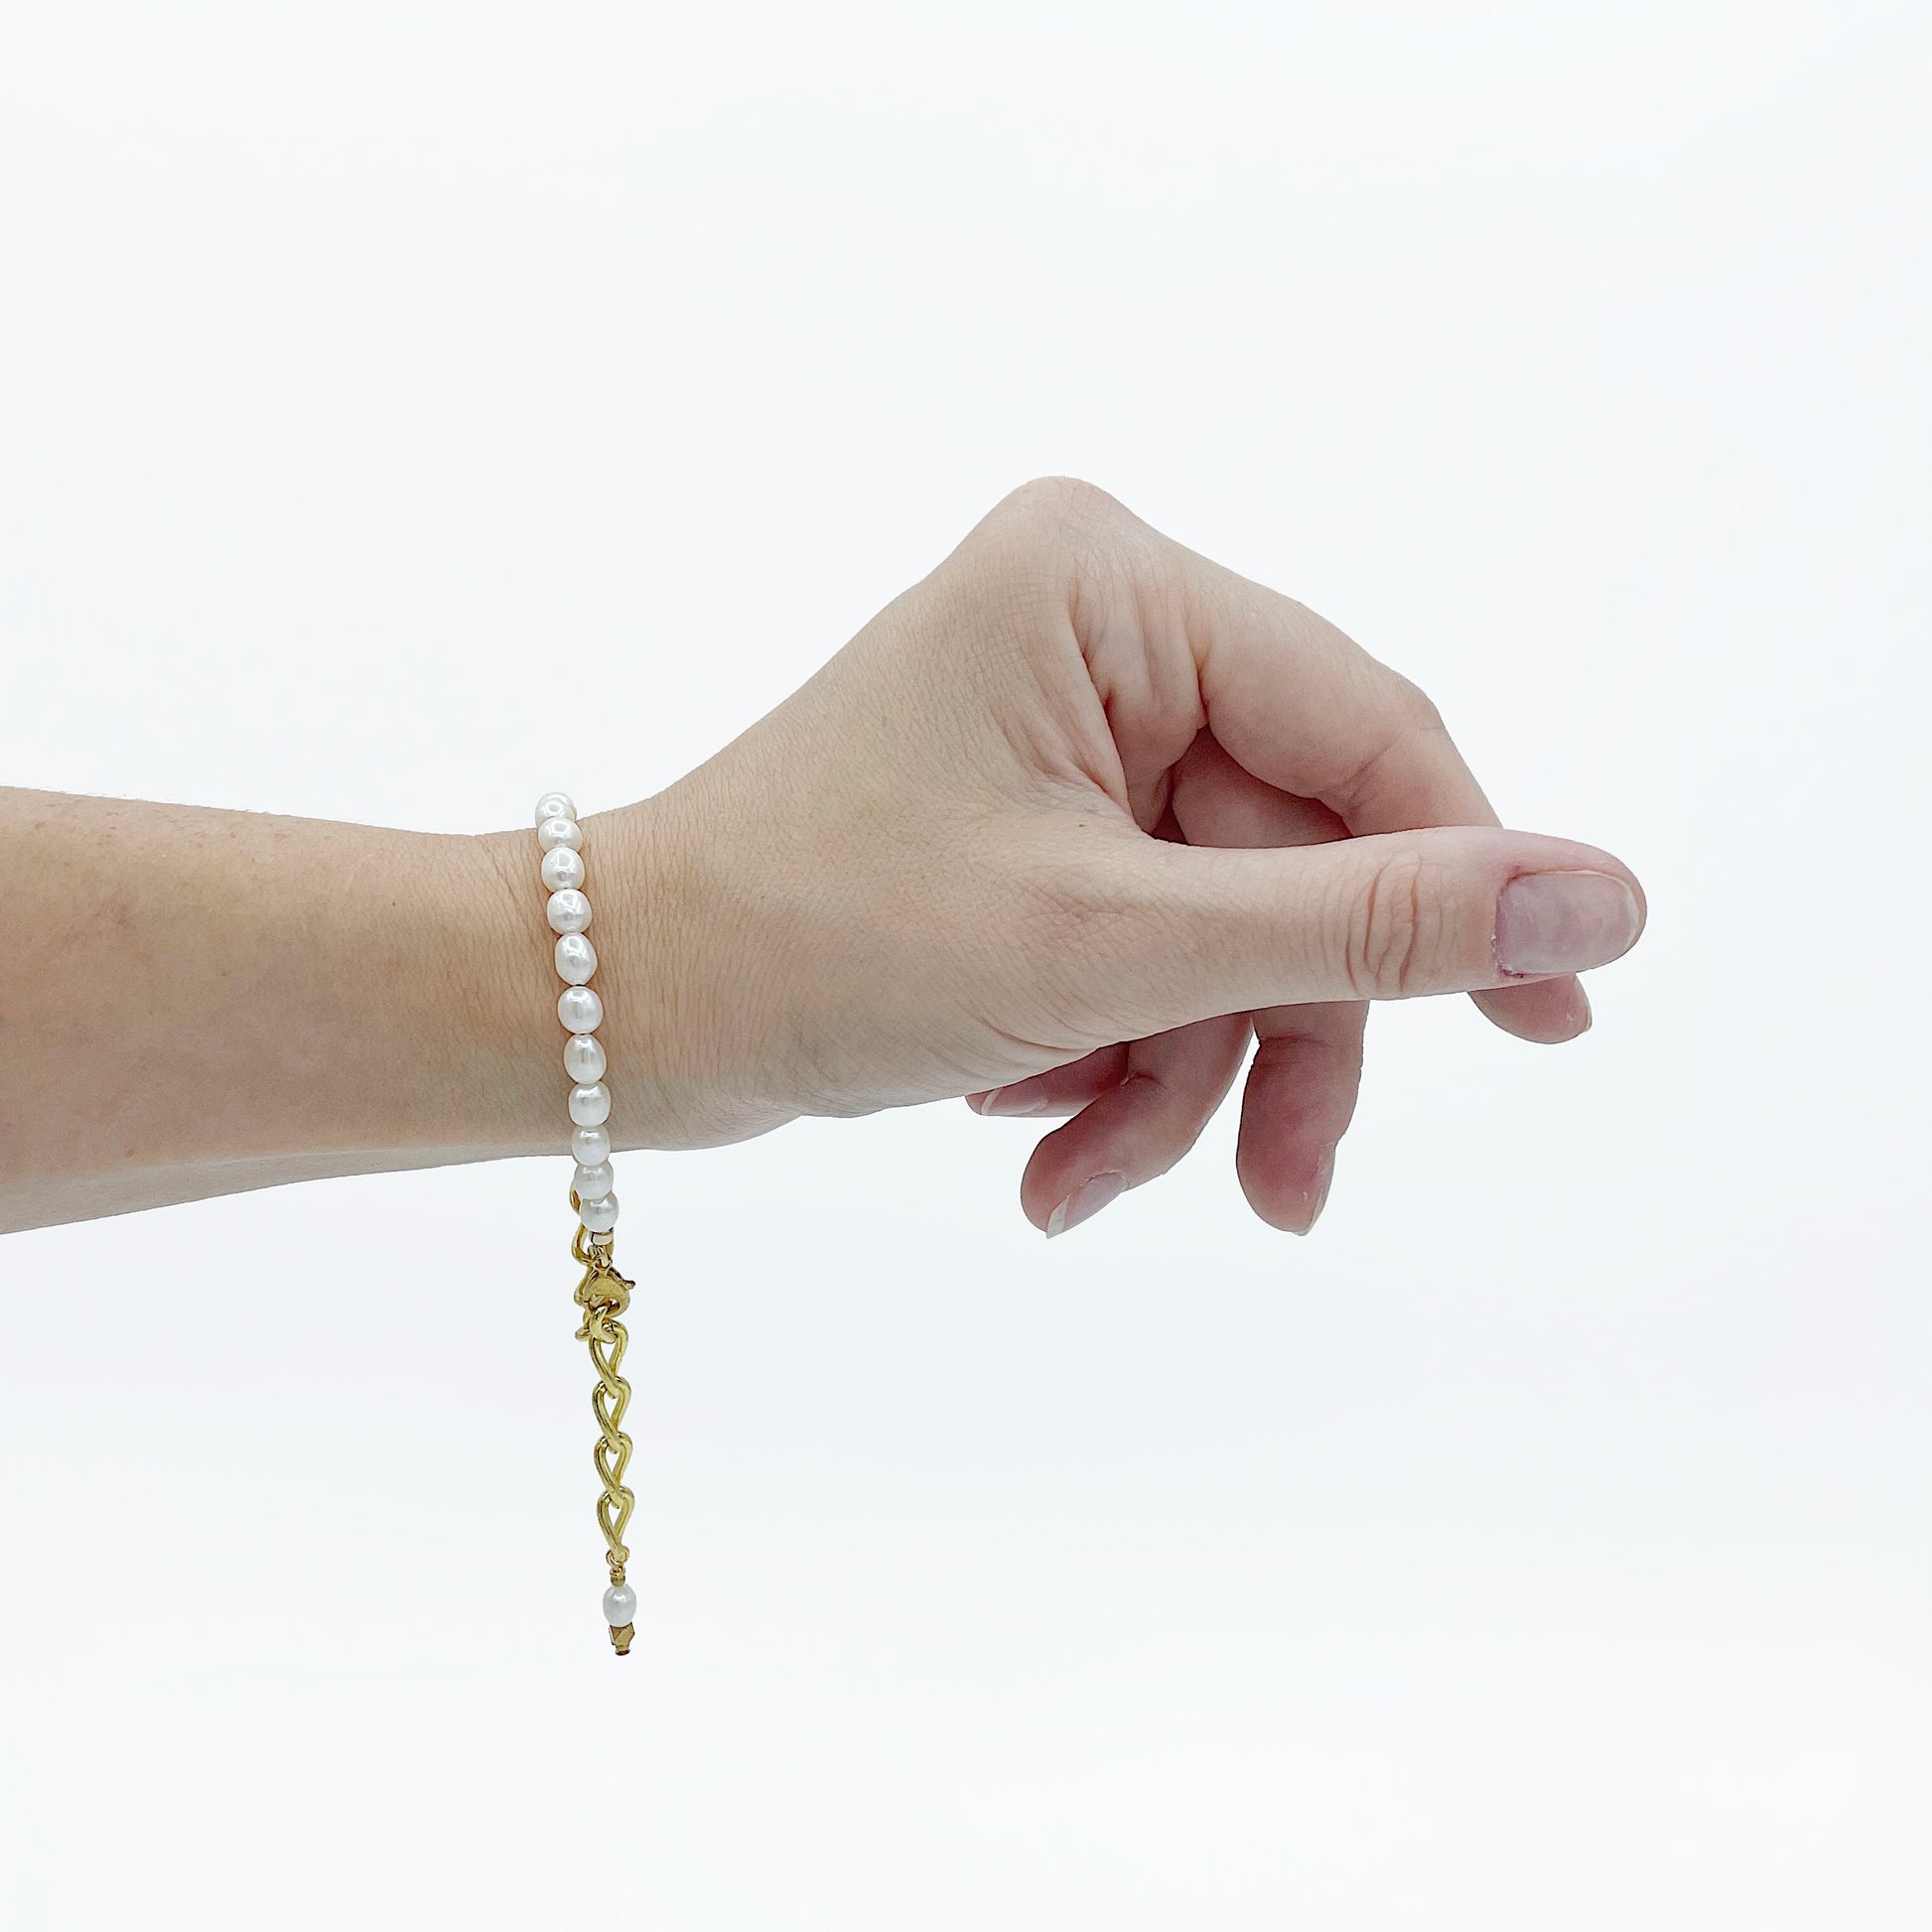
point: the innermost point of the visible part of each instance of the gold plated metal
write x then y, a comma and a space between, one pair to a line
603, 1295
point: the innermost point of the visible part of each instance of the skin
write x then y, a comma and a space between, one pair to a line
1068, 827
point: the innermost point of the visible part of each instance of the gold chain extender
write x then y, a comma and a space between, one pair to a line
603, 1295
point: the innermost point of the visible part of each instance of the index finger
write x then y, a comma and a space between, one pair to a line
1300, 704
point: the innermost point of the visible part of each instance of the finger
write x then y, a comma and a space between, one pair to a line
1167, 934
1294, 699
1297, 1105
1060, 1090
1301, 1090
1389, 764
1139, 1129
1218, 801
1547, 1012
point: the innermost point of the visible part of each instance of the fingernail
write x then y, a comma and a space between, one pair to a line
1565, 921
1085, 1201
1004, 1100
1325, 1175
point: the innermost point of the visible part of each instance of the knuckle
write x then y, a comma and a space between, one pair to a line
1407, 712
1068, 542
1060, 500
1058, 517
1414, 710
1038, 539
1393, 931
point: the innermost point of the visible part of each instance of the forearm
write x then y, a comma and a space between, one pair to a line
1063, 827
197, 1002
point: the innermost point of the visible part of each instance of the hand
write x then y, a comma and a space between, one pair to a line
1061, 830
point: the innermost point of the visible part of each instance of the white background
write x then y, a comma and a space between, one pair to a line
1544, 1543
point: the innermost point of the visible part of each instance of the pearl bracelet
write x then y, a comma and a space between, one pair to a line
603, 1294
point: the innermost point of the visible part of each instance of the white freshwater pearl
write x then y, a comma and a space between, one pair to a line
581, 1010
562, 868
576, 958
568, 912
620, 1605
554, 805
584, 1060
592, 1183
554, 832
591, 1145
590, 1105
600, 1216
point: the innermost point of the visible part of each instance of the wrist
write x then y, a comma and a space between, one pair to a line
666, 1000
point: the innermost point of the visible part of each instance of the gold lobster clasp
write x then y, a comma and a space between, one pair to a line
603, 1287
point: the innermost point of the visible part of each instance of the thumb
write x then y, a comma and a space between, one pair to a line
1448, 909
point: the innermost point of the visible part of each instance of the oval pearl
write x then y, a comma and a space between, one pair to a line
584, 1060
591, 1145
620, 1605
576, 958
554, 805
562, 868
592, 1183
600, 1216
581, 1010
568, 912
554, 832
590, 1105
